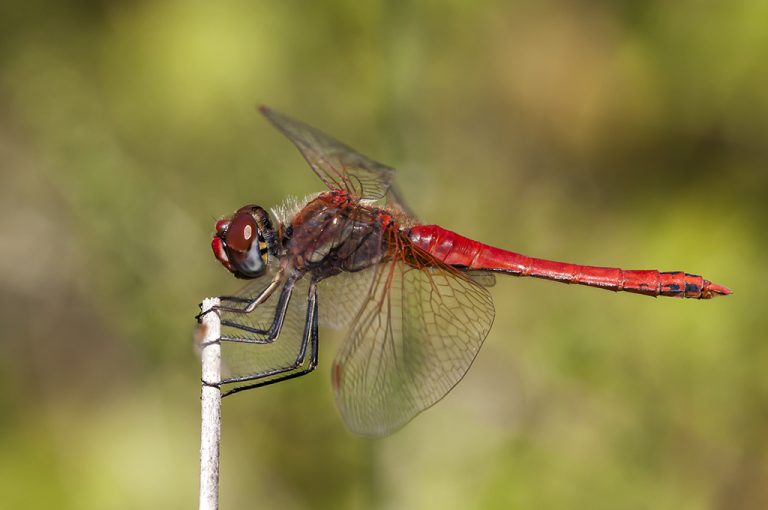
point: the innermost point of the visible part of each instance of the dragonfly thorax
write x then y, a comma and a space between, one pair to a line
334, 233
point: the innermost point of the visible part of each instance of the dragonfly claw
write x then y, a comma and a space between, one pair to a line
210, 384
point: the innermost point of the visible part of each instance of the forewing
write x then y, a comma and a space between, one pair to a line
338, 165
414, 338
243, 360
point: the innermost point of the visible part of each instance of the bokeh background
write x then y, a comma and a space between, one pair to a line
612, 133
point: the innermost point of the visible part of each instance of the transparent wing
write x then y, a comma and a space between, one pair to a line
341, 297
338, 165
394, 200
483, 278
241, 359
414, 338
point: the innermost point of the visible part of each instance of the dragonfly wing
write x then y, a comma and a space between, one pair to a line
413, 339
242, 359
341, 296
483, 278
338, 165
394, 200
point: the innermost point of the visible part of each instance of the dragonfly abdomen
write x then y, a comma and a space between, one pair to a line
459, 251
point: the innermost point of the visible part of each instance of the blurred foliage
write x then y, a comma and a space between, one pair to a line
612, 133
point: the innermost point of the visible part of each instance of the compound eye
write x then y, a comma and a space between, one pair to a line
222, 226
247, 208
241, 232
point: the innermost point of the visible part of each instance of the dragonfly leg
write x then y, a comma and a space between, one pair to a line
250, 303
310, 339
277, 323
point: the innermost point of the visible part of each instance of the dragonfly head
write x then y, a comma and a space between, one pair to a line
244, 242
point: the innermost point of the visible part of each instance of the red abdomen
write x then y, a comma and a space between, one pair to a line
458, 251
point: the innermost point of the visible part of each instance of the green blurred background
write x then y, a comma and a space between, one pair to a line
612, 133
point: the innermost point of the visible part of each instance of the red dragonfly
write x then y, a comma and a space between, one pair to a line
414, 297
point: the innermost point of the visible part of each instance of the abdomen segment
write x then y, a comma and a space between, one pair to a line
459, 251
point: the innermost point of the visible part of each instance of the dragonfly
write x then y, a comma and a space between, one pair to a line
413, 298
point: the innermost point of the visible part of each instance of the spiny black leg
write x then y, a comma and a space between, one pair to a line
234, 299
277, 322
310, 337
250, 303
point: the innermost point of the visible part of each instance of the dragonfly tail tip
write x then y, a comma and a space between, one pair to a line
713, 290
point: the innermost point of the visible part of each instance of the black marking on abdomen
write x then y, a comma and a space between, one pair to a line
692, 288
